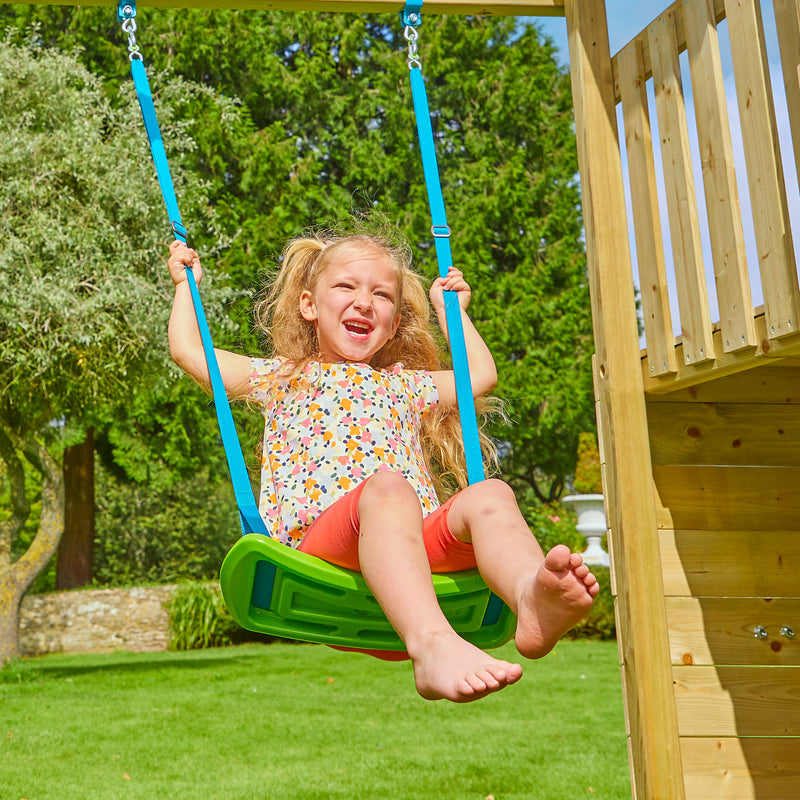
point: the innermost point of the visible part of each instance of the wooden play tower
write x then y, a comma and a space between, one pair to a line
700, 433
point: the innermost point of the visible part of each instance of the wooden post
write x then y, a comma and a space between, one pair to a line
647, 675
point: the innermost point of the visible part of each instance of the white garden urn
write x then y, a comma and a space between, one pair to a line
592, 524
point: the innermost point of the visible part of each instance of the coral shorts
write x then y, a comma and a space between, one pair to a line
333, 536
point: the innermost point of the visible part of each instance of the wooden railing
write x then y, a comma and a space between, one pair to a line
742, 334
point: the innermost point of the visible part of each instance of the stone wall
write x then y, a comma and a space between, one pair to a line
96, 621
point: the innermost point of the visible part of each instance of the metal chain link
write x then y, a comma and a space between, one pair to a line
411, 36
129, 28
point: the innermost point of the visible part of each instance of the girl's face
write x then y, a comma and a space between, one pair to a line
353, 306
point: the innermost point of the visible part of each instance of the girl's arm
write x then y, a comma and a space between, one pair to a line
185, 345
482, 370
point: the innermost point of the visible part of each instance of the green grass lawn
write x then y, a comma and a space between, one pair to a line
300, 722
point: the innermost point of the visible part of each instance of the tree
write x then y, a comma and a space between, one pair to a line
82, 324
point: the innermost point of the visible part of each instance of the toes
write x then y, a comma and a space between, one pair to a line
582, 571
559, 558
576, 561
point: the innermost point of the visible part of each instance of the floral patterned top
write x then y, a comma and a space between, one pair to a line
329, 429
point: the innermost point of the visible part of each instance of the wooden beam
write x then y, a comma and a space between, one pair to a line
647, 677
508, 8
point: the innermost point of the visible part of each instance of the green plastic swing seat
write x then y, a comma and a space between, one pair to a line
271, 588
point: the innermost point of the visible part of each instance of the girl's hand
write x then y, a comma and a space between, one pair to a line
454, 282
180, 257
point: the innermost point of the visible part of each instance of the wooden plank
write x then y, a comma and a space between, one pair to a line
764, 168
737, 701
733, 562
741, 769
719, 176
727, 631
684, 223
643, 40
727, 498
640, 604
540, 8
768, 350
773, 383
787, 19
646, 216
755, 434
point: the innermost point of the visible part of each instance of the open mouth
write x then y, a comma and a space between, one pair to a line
358, 329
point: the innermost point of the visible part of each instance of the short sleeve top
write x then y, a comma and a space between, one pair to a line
329, 429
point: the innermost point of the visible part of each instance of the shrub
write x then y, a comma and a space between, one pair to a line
159, 534
198, 618
588, 475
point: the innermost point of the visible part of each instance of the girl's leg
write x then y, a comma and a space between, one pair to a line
395, 566
549, 594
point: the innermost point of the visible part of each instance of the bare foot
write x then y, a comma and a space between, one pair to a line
559, 596
446, 666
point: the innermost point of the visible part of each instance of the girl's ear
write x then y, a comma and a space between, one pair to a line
395, 324
308, 308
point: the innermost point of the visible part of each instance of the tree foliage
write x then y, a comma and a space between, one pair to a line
85, 296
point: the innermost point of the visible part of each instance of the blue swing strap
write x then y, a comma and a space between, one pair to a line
250, 519
411, 17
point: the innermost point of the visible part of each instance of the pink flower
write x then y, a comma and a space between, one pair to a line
554, 518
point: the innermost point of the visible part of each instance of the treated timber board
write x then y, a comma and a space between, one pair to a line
655, 752
719, 176
721, 631
741, 769
762, 434
541, 8
737, 701
730, 563
759, 128
787, 18
727, 498
643, 39
646, 216
775, 382
684, 221
767, 351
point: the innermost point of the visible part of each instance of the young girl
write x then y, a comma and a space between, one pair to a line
356, 412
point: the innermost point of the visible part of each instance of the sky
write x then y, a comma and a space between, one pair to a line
626, 18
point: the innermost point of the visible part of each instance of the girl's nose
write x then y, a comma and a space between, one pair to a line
363, 300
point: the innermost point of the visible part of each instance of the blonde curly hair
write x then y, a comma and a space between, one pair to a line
291, 337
